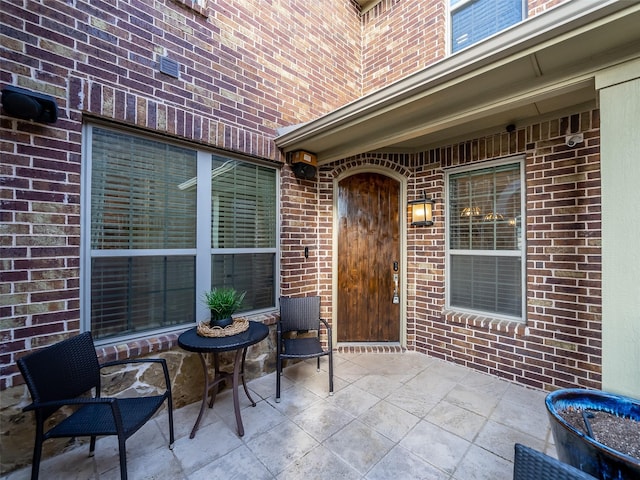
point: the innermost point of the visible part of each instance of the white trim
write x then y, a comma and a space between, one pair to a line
203, 233
533, 32
85, 228
203, 251
522, 253
413, 108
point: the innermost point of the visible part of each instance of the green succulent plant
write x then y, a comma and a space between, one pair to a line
223, 302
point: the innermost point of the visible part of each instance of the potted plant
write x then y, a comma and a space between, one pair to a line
573, 414
222, 303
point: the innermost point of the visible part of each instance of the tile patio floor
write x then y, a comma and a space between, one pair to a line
393, 416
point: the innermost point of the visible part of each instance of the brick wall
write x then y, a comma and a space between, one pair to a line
559, 345
403, 37
245, 68
400, 38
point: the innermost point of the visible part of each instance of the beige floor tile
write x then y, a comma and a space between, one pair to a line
239, 464
440, 448
500, 439
524, 416
264, 386
354, 400
401, 464
456, 420
210, 443
474, 399
256, 420
295, 400
156, 465
319, 464
389, 420
381, 385
416, 398
281, 446
322, 419
393, 416
359, 446
478, 464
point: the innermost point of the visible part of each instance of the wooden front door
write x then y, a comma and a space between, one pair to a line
368, 259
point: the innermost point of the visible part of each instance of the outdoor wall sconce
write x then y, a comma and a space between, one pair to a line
421, 211
20, 103
304, 164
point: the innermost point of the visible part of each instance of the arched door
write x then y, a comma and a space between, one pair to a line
368, 306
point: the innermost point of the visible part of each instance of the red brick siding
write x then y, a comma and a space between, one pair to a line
536, 7
559, 345
401, 37
246, 68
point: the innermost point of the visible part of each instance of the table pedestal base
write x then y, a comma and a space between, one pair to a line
212, 385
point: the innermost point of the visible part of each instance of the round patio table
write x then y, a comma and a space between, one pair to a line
192, 342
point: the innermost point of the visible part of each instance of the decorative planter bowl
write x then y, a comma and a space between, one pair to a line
223, 322
578, 449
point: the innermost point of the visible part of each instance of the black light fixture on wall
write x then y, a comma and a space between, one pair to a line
304, 164
421, 211
21, 103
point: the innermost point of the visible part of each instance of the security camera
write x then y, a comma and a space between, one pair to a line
573, 140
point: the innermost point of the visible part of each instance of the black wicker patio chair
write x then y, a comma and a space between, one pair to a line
530, 464
298, 333
68, 374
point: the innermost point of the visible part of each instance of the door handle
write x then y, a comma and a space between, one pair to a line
396, 297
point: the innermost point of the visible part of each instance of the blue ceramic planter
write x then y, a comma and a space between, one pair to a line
580, 450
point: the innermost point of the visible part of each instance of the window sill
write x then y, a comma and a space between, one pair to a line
159, 343
198, 8
492, 324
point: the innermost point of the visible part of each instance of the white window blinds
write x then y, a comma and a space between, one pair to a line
141, 225
485, 240
149, 262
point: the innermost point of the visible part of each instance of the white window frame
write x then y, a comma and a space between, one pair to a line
202, 252
522, 253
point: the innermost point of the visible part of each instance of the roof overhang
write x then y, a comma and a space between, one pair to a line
542, 66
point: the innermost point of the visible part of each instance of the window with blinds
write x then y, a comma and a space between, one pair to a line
474, 20
485, 240
243, 230
153, 229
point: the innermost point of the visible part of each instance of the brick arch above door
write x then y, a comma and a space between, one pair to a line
389, 164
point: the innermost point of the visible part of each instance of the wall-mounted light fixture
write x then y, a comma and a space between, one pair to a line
304, 164
421, 211
21, 103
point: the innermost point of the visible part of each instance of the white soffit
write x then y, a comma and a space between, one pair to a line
366, 5
544, 64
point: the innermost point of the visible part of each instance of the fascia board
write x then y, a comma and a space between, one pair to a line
542, 31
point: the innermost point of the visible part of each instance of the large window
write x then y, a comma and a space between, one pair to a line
162, 224
474, 20
486, 241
